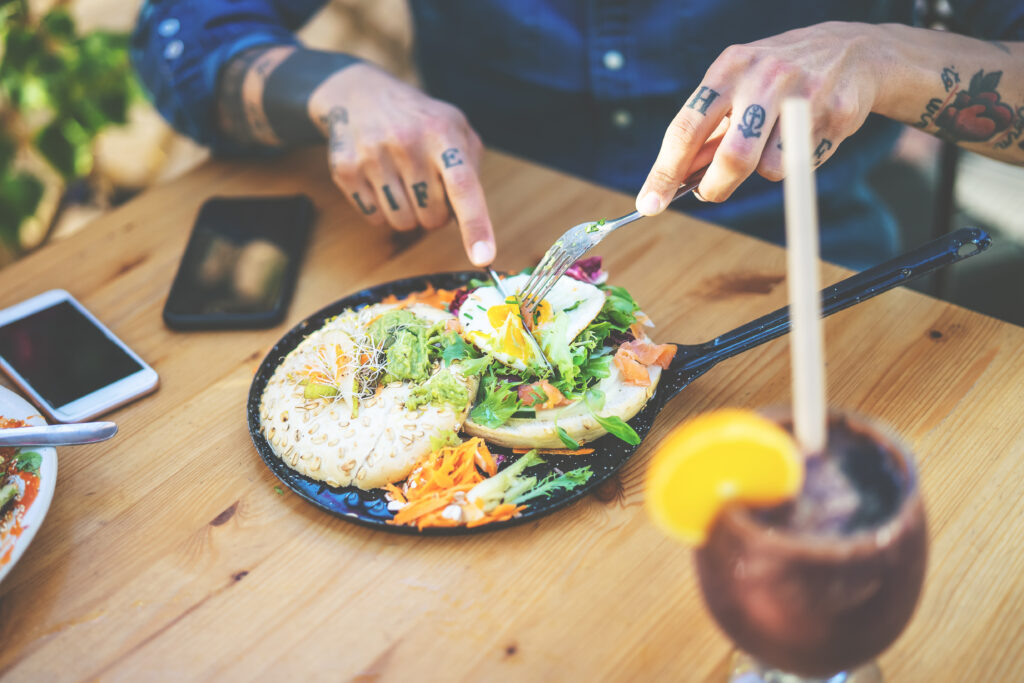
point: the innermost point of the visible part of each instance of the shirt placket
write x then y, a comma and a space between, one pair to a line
613, 78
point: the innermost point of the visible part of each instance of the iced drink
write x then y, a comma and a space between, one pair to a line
826, 582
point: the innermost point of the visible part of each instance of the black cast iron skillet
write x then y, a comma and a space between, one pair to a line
691, 361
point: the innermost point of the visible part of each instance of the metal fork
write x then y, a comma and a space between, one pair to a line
526, 328
574, 243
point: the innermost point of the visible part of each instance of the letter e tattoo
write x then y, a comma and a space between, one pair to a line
451, 157
702, 99
420, 191
823, 146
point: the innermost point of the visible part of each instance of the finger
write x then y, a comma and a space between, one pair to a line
350, 180
467, 199
390, 193
770, 165
740, 152
423, 187
688, 131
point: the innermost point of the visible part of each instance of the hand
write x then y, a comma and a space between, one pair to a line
403, 158
832, 64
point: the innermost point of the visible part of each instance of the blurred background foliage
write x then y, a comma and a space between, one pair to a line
58, 90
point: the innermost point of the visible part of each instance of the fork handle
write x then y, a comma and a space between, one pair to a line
686, 188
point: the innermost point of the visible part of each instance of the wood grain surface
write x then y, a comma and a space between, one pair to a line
168, 554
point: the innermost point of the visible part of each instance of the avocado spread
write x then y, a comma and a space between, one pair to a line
443, 387
406, 343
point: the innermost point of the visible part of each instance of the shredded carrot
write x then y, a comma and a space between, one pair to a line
438, 298
555, 451
441, 479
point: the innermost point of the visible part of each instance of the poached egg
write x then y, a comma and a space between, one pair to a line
494, 326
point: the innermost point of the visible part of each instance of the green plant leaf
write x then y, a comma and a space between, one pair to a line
58, 24
7, 151
20, 194
66, 145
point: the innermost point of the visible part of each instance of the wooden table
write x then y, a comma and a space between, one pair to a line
168, 553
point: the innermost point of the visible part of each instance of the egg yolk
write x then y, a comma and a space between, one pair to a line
511, 338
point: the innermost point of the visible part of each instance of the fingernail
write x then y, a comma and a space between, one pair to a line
697, 194
482, 253
649, 204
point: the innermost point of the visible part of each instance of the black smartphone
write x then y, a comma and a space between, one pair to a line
241, 262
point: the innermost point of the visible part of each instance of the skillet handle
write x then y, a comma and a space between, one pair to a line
944, 251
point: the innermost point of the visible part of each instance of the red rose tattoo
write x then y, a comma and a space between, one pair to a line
976, 114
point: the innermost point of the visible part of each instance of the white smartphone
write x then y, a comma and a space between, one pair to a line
71, 366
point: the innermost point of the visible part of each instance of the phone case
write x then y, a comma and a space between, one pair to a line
302, 213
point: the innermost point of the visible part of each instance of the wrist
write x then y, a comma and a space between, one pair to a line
895, 68
288, 93
339, 89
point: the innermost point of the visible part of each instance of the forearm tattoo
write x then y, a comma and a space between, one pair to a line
241, 120
280, 115
973, 114
289, 87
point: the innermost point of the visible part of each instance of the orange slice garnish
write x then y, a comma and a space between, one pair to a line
717, 458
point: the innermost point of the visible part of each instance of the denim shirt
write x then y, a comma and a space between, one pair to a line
584, 86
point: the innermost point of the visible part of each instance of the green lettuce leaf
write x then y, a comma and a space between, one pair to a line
500, 401
554, 482
616, 427
475, 366
28, 461
567, 440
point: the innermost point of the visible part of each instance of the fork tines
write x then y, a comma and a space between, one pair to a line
551, 267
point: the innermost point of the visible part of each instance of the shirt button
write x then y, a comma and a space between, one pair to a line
613, 60
173, 49
621, 118
168, 27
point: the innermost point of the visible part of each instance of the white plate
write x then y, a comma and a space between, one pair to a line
12, 543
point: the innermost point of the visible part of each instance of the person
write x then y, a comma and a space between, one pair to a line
600, 89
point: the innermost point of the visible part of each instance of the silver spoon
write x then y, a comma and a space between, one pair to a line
58, 435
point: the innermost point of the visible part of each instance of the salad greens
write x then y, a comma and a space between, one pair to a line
507, 485
497, 400
566, 481
568, 441
579, 364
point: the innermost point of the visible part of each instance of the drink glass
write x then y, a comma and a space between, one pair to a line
816, 588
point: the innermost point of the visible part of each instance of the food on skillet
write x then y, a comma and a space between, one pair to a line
606, 367
357, 402
375, 398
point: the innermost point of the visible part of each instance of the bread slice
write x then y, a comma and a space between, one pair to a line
322, 439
